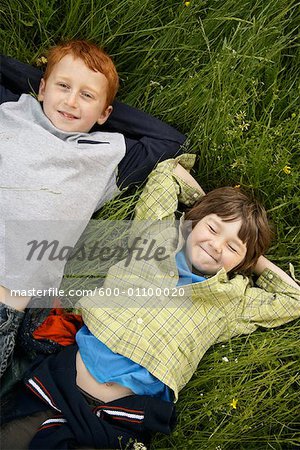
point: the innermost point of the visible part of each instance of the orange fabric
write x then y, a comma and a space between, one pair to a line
60, 326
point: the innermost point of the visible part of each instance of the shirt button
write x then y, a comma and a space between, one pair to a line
195, 195
140, 321
270, 276
171, 273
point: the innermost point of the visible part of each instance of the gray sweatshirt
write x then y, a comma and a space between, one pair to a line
51, 182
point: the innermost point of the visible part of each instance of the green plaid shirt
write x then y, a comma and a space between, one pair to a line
169, 333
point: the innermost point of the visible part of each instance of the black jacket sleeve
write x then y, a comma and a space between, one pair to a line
17, 78
148, 141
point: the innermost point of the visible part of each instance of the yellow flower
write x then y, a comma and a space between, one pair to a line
187, 3
41, 61
237, 186
287, 169
233, 404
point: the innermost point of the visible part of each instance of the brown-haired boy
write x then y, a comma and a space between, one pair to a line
55, 172
235, 208
140, 347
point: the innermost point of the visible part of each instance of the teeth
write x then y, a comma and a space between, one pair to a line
69, 116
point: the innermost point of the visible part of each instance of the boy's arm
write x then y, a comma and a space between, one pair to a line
148, 141
7, 96
169, 183
263, 263
272, 302
185, 176
17, 78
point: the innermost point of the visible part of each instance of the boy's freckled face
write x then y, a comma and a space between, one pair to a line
74, 96
214, 244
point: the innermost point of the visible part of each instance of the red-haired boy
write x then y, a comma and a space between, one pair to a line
55, 172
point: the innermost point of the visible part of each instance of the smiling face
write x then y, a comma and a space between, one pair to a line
213, 244
74, 97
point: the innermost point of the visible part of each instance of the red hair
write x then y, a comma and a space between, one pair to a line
93, 56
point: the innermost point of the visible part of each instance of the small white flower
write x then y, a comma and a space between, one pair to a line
225, 359
139, 446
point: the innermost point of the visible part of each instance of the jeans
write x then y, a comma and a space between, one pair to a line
10, 320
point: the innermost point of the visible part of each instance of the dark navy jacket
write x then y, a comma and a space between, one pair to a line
51, 384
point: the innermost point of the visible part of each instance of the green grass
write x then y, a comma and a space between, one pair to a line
227, 74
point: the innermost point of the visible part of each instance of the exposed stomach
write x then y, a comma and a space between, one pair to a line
106, 392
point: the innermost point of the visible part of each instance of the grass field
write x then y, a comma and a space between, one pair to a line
226, 73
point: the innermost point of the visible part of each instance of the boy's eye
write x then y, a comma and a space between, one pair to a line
87, 95
233, 249
211, 229
63, 85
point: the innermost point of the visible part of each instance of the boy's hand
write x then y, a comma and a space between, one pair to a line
187, 177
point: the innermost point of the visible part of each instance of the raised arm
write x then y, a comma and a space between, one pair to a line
273, 301
148, 141
168, 184
182, 173
17, 78
263, 263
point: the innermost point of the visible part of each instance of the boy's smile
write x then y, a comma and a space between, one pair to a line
74, 97
213, 244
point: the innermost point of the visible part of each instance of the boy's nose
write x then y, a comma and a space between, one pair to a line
71, 99
217, 245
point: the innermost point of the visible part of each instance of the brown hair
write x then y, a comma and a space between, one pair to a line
232, 204
94, 57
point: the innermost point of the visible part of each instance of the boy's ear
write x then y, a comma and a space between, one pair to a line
41, 90
105, 115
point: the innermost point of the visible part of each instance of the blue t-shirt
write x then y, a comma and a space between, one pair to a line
105, 365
